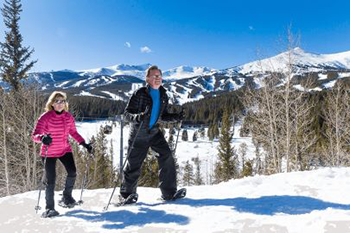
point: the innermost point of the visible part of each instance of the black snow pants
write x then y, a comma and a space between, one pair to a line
145, 139
50, 169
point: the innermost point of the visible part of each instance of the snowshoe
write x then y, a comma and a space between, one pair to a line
131, 199
67, 202
49, 213
181, 193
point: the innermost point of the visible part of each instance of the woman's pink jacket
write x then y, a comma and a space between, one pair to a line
59, 126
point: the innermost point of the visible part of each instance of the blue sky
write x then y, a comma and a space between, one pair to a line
86, 34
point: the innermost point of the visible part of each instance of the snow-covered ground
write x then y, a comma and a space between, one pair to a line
313, 201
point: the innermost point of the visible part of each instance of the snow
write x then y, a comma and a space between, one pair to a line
182, 72
120, 69
139, 71
315, 62
329, 84
62, 84
134, 87
78, 83
310, 201
113, 96
85, 93
343, 75
322, 76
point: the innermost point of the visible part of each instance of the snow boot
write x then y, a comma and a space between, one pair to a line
49, 213
131, 199
67, 202
181, 193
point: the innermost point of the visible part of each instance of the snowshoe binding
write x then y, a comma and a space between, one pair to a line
67, 202
131, 199
181, 193
49, 213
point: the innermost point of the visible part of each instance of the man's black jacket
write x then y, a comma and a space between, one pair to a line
141, 100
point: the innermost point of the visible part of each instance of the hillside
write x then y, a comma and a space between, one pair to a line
313, 201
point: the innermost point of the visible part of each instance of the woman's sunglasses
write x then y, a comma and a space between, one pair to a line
60, 101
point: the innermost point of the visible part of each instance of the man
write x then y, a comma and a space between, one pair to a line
146, 106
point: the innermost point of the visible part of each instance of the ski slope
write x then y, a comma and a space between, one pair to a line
312, 201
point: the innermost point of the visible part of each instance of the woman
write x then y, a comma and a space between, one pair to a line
52, 130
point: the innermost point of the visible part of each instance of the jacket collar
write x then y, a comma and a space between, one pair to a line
162, 90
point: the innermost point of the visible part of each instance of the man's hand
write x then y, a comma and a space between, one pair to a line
142, 116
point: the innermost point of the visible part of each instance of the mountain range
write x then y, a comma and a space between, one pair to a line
186, 83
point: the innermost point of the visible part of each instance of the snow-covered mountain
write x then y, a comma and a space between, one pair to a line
187, 83
187, 72
137, 71
305, 62
311, 201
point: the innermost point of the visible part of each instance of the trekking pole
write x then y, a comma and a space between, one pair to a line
37, 207
126, 159
87, 166
177, 137
178, 133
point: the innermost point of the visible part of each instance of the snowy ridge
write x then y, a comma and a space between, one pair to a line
310, 201
305, 61
139, 71
187, 72
120, 69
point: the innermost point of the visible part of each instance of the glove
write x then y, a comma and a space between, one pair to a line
88, 147
142, 116
46, 139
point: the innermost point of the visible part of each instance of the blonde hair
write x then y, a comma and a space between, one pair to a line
52, 98
148, 71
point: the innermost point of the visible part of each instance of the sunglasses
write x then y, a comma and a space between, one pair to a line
60, 101
156, 76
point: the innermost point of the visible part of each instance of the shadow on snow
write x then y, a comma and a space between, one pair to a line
123, 218
266, 205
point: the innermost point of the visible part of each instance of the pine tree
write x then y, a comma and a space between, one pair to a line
171, 142
247, 168
242, 150
101, 168
201, 132
188, 177
13, 56
258, 167
81, 157
184, 135
215, 130
113, 171
194, 138
149, 171
198, 180
226, 165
